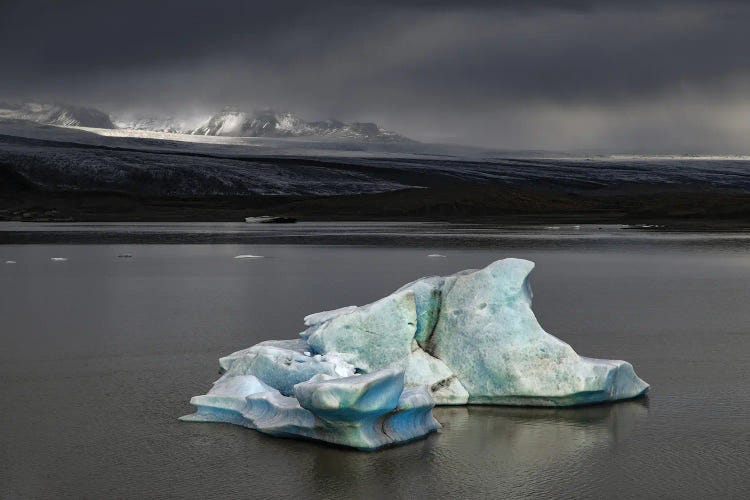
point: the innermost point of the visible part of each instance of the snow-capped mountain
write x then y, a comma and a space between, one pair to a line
270, 123
153, 123
56, 114
229, 122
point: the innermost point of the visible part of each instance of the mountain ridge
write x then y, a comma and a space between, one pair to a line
229, 122
232, 122
63, 115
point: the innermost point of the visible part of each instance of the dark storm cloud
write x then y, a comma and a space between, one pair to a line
496, 73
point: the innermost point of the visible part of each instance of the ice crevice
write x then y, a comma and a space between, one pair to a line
369, 376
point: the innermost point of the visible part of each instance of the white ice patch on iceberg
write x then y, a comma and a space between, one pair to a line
58, 259
282, 364
248, 256
316, 318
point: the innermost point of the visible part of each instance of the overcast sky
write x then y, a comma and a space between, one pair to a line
667, 76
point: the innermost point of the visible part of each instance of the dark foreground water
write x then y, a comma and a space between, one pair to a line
99, 355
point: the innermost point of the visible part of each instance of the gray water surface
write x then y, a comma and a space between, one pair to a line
99, 355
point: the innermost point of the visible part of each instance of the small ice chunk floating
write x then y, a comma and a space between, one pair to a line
369, 376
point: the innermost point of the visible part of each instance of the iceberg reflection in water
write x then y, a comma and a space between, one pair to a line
531, 452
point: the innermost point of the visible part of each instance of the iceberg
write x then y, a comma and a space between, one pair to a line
488, 335
366, 411
369, 376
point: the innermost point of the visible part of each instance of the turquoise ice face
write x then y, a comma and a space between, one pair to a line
365, 412
471, 337
427, 297
488, 335
370, 337
466, 338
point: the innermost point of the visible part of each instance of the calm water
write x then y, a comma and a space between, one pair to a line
99, 355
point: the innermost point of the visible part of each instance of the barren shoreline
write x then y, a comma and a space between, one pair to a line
676, 208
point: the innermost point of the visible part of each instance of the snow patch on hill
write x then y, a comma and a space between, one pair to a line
165, 124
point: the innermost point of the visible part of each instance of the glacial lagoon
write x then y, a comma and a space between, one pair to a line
99, 355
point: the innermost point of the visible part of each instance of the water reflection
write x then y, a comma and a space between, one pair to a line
540, 434
521, 448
